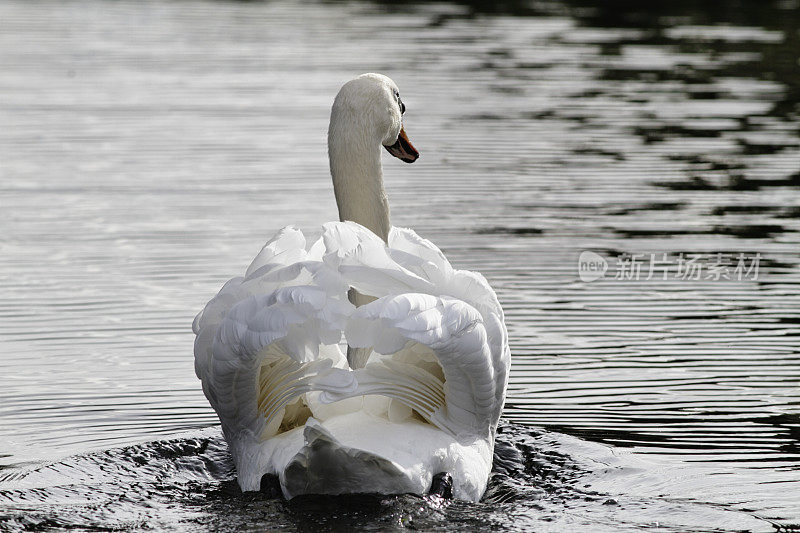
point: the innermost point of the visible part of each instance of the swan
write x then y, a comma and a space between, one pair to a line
414, 400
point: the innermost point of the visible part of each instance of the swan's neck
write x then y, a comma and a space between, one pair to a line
355, 160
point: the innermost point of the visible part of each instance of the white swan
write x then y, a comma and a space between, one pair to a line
432, 337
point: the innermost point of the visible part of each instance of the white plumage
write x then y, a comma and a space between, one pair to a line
429, 397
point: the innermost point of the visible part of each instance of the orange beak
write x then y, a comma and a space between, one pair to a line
403, 149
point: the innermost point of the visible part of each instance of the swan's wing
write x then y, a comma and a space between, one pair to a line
425, 259
419, 255
266, 353
267, 339
411, 264
472, 288
459, 396
287, 247
283, 262
363, 260
270, 345
467, 286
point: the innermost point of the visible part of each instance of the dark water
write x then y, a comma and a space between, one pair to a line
147, 150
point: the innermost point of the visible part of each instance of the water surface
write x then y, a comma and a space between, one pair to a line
149, 149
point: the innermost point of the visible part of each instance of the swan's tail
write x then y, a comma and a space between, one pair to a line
325, 466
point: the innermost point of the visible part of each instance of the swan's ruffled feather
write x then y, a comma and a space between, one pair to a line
287, 247
266, 352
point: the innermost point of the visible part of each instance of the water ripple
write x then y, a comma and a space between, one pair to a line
150, 148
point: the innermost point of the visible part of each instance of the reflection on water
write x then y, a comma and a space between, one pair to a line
148, 150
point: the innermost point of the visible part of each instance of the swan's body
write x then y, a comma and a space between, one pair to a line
433, 340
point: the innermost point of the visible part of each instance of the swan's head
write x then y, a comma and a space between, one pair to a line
371, 105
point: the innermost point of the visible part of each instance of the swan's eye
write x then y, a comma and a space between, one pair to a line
400, 102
